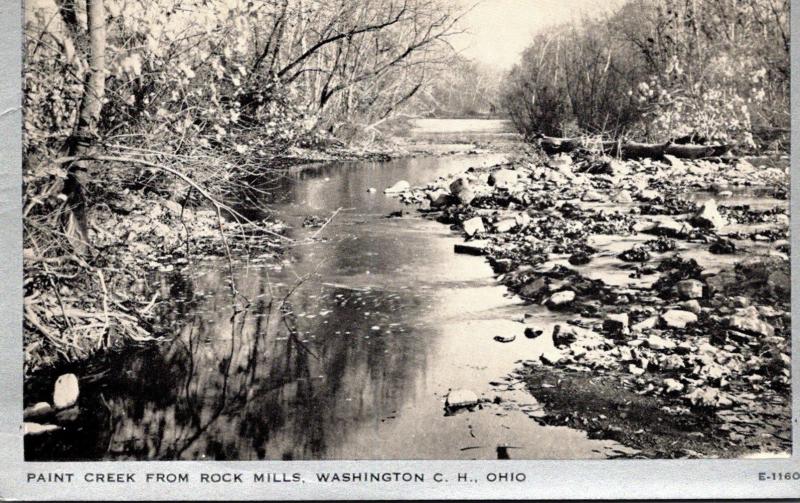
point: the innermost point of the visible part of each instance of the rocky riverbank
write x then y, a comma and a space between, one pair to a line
671, 276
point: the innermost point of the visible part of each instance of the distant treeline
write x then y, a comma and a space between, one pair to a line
716, 69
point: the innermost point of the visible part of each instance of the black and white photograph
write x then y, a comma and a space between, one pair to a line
309, 230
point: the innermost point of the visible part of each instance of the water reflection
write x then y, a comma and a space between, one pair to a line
344, 352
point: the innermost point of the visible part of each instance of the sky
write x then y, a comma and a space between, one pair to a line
499, 30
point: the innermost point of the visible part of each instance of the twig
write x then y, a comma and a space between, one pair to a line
103, 340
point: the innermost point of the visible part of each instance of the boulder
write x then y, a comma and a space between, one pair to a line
750, 325
473, 226
708, 216
462, 191
398, 187
675, 318
689, 289
503, 178
66, 391
561, 298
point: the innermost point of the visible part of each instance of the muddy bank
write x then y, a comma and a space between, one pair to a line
672, 277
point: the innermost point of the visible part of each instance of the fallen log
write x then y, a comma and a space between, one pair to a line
635, 150
631, 150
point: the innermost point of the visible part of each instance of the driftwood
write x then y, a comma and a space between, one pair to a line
631, 150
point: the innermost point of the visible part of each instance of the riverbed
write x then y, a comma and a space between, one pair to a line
346, 349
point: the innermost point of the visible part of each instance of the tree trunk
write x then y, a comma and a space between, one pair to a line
84, 136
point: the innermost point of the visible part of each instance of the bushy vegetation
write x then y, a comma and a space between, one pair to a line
712, 69
146, 121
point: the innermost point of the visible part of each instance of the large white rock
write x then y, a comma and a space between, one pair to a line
66, 391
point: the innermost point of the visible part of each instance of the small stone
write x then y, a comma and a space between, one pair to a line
505, 338
39, 429
532, 333
676, 318
372, 190
68, 415
503, 178
635, 254
623, 197
474, 226
562, 298
534, 288
459, 398
477, 247
66, 391
633, 369
673, 386
592, 196
708, 216
37, 410
398, 187
551, 357
616, 325
461, 190
505, 225
659, 343
438, 198
693, 306
740, 301
689, 289
648, 195
646, 324
722, 247
751, 325
669, 227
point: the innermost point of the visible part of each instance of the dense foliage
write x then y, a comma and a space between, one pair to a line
717, 69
